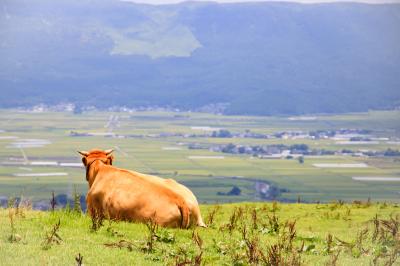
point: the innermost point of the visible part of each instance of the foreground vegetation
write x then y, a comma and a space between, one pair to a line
361, 233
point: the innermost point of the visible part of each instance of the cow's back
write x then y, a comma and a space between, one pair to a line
179, 189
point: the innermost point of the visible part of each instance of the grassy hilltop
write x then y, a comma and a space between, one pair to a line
361, 233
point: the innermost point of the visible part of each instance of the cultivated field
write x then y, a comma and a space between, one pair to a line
38, 154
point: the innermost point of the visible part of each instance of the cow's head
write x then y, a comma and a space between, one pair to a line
89, 157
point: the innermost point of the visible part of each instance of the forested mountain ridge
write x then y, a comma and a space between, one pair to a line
257, 58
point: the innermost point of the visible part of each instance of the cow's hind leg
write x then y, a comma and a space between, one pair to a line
96, 214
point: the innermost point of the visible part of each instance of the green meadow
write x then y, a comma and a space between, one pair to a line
361, 233
169, 155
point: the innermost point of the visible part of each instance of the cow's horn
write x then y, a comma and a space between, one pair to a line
108, 151
83, 153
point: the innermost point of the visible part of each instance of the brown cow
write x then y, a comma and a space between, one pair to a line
127, 195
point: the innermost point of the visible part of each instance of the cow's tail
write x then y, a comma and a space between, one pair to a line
198, 217
185, 214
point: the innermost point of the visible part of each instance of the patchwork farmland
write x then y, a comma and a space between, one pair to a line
38, 154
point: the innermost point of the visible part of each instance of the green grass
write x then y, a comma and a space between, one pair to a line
221, 246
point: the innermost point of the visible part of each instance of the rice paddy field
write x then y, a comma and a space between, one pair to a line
38, 154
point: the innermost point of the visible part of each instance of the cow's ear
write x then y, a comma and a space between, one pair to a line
110, 159
108, 152
84, 161
83, 153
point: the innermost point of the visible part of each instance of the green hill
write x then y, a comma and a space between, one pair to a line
256, 58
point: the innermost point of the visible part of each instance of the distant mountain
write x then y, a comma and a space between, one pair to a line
257, 58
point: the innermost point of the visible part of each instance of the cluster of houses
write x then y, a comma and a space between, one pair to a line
78, 109
274, 151
278, 151
340, 136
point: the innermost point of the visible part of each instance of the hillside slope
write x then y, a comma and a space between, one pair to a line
258, 58
239, 234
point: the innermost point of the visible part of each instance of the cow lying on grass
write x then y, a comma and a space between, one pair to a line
121, 194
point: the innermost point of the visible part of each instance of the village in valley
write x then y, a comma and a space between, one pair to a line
341, 137
222, 158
